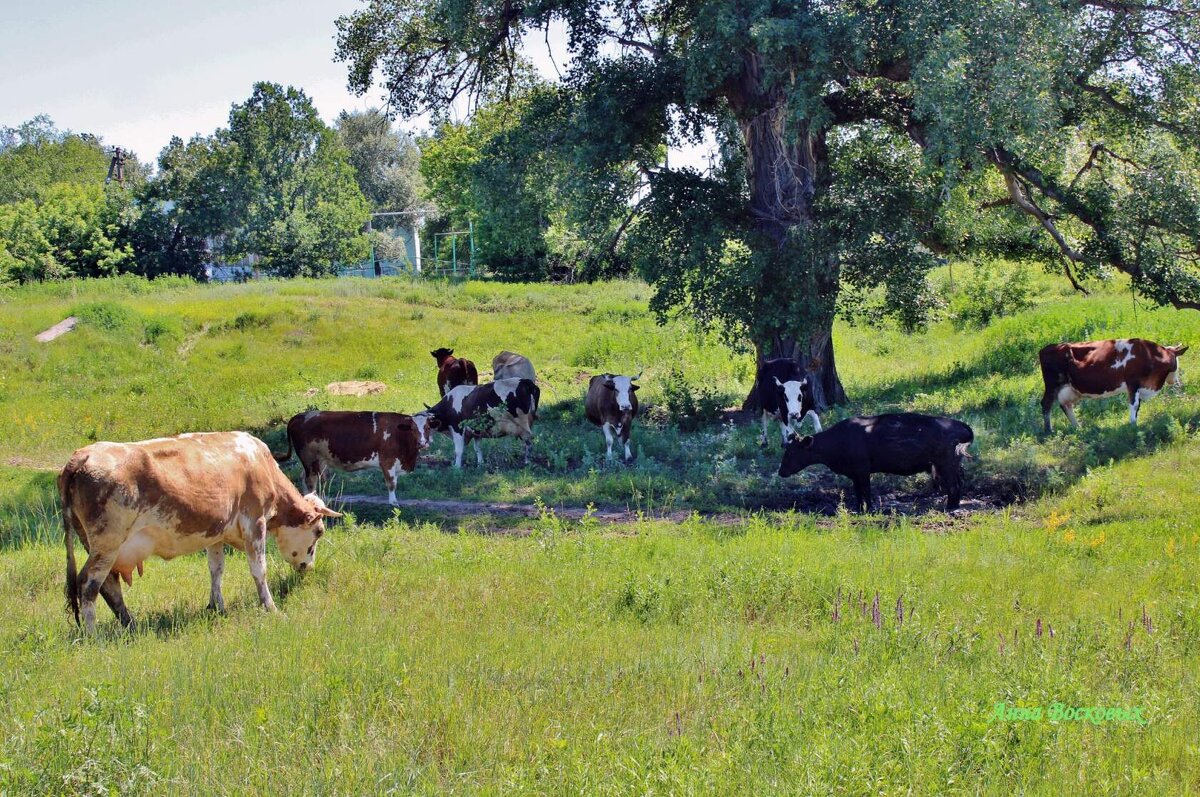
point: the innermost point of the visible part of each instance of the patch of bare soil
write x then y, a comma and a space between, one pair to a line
351, 388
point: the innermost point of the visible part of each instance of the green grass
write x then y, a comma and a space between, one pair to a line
702, 656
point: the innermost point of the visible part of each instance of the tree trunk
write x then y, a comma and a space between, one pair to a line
786, 167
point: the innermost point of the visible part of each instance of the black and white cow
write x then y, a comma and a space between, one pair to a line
612, 405
507, 407
782, 395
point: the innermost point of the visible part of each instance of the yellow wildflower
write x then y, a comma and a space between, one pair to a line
1069, 536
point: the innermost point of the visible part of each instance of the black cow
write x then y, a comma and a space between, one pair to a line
904, 444
496, 409
783, 395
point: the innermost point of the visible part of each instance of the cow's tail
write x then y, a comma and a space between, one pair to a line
70, 532
286, 455
963, 449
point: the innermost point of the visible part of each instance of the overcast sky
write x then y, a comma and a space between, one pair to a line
137, 73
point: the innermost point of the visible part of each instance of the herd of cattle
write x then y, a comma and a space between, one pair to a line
176, 495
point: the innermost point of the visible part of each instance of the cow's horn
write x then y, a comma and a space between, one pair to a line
639, 375
426, 406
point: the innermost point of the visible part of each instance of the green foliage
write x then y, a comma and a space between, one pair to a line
36, 156
386, 161
69, 231
689, 406
988, 293
277, 183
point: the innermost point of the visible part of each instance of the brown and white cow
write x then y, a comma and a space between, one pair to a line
178, 495
351, 441
1075, 371
510, 365
507, 407
611, 404
453, 371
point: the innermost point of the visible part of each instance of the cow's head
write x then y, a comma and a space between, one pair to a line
623, 388
1173, 378
441, 355
791, 399
424, 423
299, 534
798, 454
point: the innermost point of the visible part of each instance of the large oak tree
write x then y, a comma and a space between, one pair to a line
853, 134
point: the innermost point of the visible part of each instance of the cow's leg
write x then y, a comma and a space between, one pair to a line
256, 553
478, 451
784, 429
459, 443
1049, 399
625, 435
91, 577
766, 417
608, 440
1135, 403
313, 471
110, 590
389, 477
1069, 410
862, 492
949, 472
216, 569
528, 439
815, 419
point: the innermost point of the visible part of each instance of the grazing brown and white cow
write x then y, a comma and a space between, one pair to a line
612, 405
1075, 371
509, 365
352, 441
782, 395
507, 407
453, 371
178, 495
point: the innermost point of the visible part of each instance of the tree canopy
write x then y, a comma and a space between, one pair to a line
276, 183
386, 161
857, 140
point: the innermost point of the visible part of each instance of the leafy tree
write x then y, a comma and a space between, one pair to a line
70, 231
277, 183
852, 135
386, 161
37, 155
533, 212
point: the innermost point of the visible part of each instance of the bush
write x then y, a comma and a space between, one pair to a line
989, 295
690, 407
109, 316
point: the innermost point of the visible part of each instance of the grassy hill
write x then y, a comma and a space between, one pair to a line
746, 652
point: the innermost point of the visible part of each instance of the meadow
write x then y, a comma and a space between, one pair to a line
741, 647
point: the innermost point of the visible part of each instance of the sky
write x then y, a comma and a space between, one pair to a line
137, 73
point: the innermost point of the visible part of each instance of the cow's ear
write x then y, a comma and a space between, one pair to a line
806, 441
449, 352
803, 381
791, 437
634, 387
1180, 349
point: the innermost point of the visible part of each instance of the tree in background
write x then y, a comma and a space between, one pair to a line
276, 183
852, 135
386, 161
532, 211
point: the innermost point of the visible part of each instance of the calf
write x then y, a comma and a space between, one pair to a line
612, 405
178, 495
506, 407
904, 444
1075, 371
453, 371
507, 365
782, 395
352, 441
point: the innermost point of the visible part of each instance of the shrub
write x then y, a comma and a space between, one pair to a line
109, 316
989, 295
690, 407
